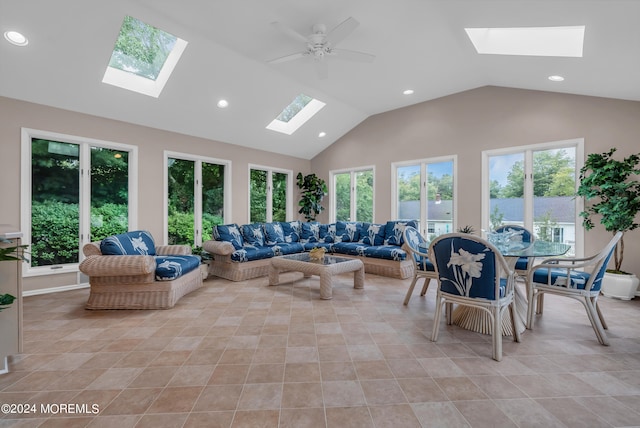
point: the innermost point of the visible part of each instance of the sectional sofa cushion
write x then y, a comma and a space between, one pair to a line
248, 254
230, 233
253, 234
393, 231
274, 233
312, 231
171, 267
329, 246
348, 231
291, 230
138, 242
387, 252
372, 233
287, 248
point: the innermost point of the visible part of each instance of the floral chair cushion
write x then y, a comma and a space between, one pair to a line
348, 231
139, 242
171, 267
291, 230
274, 233
467, 268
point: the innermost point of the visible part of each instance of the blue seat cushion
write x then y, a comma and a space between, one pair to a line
350, 248
282, 249
172, 267
559, 278
522, 263
424, 262
249, 253
310, 232
388, 252
230, 233
139, 242
308, 246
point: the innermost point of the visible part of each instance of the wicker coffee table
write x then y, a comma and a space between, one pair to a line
325, 269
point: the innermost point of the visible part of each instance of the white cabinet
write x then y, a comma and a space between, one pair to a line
11, 283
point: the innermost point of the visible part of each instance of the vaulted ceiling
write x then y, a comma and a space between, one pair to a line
418, 44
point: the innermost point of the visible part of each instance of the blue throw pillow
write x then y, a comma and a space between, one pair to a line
274, 233
230, 233
310, 232
291, 230
138, 242
253, 234
348, 231
393, 231
372, 233
328, 233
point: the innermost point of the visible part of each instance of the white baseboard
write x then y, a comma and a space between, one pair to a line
55, 289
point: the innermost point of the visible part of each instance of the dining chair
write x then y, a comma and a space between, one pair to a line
576, 278
522, 264
472, 272
417, 247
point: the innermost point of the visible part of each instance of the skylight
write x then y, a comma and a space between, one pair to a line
143, 58
534, 41
301, 109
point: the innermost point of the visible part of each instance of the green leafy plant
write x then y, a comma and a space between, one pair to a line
612, 192
466, 229
312, 191
15, 252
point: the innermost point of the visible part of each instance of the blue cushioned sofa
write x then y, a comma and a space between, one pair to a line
241, 252
128, 271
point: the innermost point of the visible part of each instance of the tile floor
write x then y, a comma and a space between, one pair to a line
245, 354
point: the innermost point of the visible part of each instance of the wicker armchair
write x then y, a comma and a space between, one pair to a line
129, 281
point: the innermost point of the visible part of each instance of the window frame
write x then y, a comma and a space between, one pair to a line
84, 205
197, 191
269, 203
528, 150
424, 223
353, 208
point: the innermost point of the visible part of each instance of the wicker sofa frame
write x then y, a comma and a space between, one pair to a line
223, 267
128, 282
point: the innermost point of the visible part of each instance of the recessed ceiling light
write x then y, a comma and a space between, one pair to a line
223, 103
16, 38
322, 134
556, 78
408, 92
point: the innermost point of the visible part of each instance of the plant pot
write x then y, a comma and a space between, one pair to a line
619, 286
204, 270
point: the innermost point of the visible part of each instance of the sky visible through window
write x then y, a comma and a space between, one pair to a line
294, 108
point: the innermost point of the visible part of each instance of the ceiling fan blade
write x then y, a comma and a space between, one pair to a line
342, 30
287, 58
353, 55
322, 69
290, 32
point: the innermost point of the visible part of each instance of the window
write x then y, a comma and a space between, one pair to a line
353, 192
196, 197
301, 109
534, 186
425, 190
269, 194
74, 191
143, 58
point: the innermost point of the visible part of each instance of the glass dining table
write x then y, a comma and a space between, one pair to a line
478, 320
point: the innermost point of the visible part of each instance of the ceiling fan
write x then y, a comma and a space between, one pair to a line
320, 45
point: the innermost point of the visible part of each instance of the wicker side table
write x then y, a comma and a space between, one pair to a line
325, 269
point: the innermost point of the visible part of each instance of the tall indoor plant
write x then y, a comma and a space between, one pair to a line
10, 254
312, 191
611, 190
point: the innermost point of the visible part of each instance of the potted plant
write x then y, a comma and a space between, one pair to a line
312, 191
611, 191
10, 254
